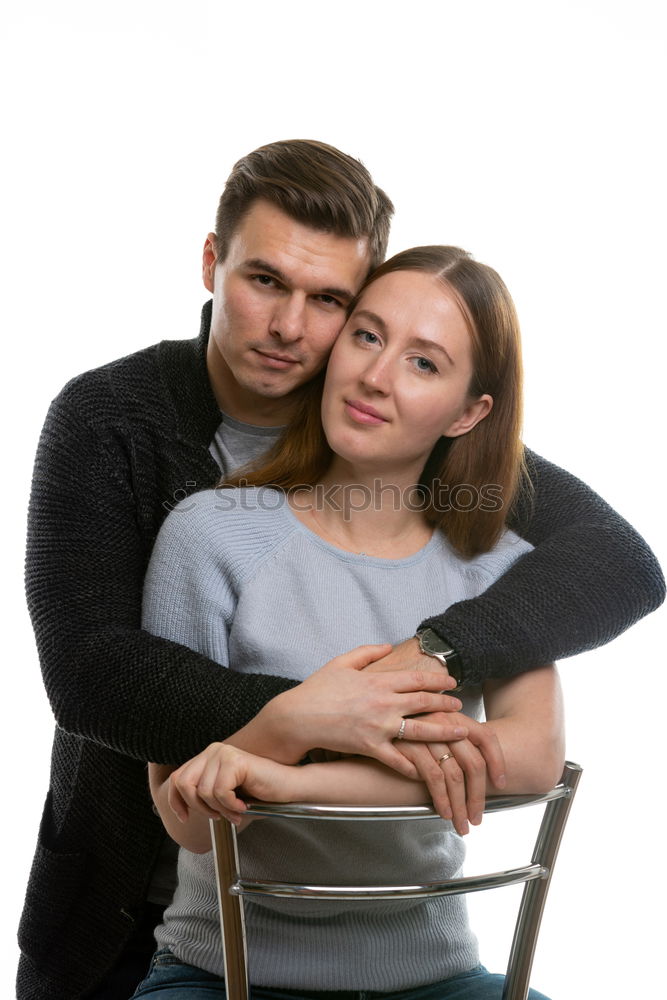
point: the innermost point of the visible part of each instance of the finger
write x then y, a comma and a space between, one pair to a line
422, 731
195, 780
184, 783
228, 801
426, 703
213, 772
233, 817
188, 795
394, 757
473, 766
456, 790
488, 745
403, 681
177, 803
360, 657
433, 778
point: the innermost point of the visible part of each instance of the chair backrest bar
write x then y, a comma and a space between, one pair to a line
534, 896
536, 876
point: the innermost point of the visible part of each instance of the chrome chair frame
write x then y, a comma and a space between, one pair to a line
536, 876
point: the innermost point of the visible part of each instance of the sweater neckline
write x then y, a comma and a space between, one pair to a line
361, 558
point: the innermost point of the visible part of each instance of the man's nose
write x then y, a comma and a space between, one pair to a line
289, 318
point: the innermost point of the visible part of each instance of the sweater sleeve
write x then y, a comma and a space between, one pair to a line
590, 577
107, 680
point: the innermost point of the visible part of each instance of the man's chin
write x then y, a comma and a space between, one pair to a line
276, 388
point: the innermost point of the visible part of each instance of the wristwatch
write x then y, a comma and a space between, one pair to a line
431, 644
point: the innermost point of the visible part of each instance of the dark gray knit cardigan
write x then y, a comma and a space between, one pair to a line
120, 446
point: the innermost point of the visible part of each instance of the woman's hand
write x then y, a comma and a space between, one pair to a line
354, 711
208, 783
458, 773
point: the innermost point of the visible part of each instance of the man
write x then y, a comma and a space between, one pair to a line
299, 226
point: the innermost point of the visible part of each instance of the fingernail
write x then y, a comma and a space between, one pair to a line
464, 829
460, 731
476, 819
501, 782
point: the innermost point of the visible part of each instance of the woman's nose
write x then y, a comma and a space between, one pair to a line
376, 375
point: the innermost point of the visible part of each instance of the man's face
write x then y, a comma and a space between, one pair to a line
279, 301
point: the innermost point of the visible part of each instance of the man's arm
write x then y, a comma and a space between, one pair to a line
525, 714
107, 680
112, 682
590, 577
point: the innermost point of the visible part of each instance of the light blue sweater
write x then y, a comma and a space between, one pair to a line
237, 577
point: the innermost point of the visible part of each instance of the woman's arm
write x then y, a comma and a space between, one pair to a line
207, 786
525, 715
525, 719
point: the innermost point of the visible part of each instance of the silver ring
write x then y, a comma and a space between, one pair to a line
401, 731
445, 756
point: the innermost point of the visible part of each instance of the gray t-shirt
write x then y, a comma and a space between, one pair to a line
237, 577
235, 443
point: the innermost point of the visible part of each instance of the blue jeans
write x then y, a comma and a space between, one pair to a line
170, 979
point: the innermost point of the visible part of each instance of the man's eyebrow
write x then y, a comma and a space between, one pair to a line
257, 264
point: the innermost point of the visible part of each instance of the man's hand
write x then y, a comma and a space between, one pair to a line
408, 656
344, 707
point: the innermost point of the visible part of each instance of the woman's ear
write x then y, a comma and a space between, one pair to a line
474, 411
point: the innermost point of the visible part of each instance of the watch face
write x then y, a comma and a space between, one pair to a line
432, 642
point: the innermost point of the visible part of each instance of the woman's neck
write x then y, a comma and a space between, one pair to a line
364, 513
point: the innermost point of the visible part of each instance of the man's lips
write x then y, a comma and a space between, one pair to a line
363, 413
280, 361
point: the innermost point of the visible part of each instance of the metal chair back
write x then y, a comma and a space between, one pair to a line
536, 876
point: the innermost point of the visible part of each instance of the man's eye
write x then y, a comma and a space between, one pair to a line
264, 279
329, 300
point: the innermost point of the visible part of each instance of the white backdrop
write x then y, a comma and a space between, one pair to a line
529, 133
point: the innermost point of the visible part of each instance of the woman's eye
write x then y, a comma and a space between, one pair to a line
367, 337
424, 365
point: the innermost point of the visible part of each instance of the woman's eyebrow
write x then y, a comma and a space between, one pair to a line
432, 345
373, 317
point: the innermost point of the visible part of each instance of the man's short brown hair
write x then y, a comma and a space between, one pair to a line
313, 183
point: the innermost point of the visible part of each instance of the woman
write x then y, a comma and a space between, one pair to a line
398, 494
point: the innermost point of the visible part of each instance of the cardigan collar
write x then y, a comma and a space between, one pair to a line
183, 369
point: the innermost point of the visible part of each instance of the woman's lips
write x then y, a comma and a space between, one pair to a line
363, 413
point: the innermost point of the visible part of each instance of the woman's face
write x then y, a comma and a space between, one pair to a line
398, 375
